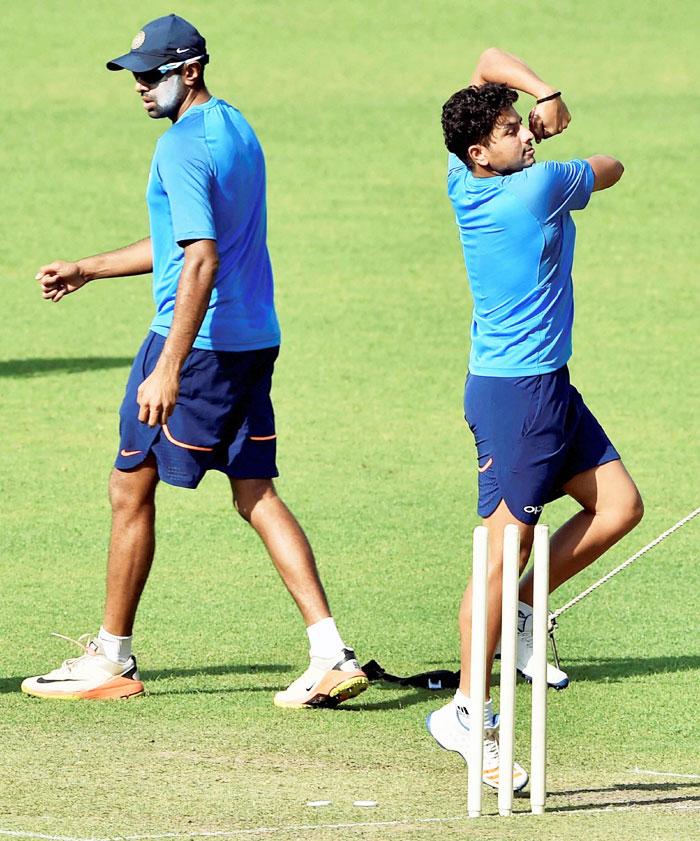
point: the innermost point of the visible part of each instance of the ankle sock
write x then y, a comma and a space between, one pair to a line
115, 648
464, 701
324, 639
525, 608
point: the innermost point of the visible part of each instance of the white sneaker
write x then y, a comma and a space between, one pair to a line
556, 678
449, 726
326, 683
90, 677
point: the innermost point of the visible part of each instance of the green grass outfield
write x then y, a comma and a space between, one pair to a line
374, 454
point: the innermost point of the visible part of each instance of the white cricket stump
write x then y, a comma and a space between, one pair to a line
509, 631
509, 628
540, 619
477, 675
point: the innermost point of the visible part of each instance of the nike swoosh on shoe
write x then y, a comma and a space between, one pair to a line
57, 680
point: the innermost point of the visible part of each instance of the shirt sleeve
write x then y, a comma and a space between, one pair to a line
555, 187
187, 178
453, 163
570, 185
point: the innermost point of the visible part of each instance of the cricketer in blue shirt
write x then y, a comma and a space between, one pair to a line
535, 437
518, 240
198, 395
207, 181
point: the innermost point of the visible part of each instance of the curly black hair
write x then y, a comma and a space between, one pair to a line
470, 115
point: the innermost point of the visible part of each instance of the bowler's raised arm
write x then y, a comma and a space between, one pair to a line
546, 118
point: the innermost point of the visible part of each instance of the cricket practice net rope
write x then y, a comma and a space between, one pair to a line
557, 613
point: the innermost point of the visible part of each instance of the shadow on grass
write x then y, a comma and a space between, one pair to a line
12, 684
154, 692
618, 668
76, 365
631, 796
230, 669
622, 787
610, 669
406, 697
354, 705
591, 669
223, 669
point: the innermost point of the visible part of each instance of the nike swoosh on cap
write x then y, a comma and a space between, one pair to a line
128, 453
186, 50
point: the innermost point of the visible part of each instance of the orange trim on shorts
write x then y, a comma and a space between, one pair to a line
183, 445
262, 437
485, 467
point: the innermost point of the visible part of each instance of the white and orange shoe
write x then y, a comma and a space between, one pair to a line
326, 683
449, 726
91, 676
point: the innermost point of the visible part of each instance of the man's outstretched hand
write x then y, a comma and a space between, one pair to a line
549, 118
60, 278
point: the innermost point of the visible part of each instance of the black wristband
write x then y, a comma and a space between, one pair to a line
547, 98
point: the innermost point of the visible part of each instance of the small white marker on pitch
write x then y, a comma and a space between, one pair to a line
365, 804
318, 803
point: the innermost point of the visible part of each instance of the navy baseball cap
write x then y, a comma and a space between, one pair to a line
166, 39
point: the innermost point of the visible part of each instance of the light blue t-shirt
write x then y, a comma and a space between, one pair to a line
207, 181
518, 240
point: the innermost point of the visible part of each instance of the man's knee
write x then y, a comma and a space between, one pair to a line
627, 511
130, 490
632, 509
247, 493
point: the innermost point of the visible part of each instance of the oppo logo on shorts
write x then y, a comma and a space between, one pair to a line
533, 509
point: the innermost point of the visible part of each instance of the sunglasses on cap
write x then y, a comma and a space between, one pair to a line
152, 77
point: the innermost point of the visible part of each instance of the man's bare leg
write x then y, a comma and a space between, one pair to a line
107, 670
612, 507
256, 500
132, 543
500, 518
333, 675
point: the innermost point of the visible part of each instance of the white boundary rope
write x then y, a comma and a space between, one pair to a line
557, 613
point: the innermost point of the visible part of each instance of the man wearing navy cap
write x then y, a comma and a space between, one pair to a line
198, 396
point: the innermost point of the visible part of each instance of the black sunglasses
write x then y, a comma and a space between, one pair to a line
152, 77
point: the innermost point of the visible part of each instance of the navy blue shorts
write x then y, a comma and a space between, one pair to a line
533, 434
223, 419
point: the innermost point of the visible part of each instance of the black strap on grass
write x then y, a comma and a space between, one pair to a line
437, 679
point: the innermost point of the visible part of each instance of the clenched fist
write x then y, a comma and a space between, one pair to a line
549, 118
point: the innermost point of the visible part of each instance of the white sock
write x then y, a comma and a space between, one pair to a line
324, 639
115, 648
462, 700
524, 608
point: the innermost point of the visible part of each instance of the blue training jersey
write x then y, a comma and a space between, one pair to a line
518, 240
207, 181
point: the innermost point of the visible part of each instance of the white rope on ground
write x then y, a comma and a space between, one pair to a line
18, 833
294, 829
666, 774
236, 833
557, 613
